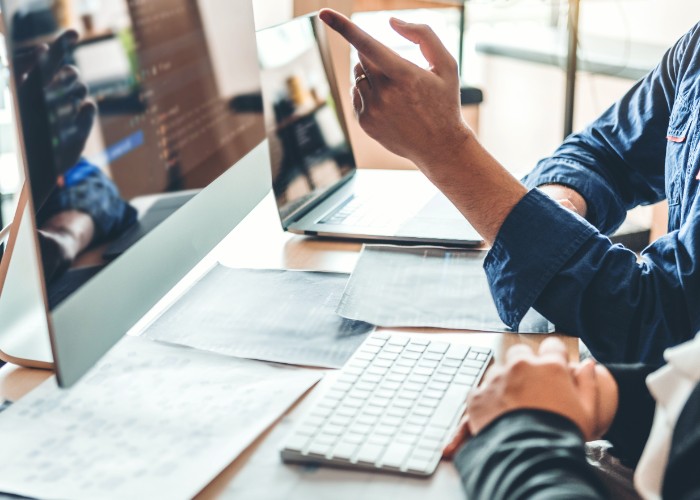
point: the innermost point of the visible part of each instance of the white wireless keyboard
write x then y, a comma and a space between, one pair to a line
394, 406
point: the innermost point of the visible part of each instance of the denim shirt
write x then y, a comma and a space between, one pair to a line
640, 151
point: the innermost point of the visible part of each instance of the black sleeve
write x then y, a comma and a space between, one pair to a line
682, 480
528, 454
635, 412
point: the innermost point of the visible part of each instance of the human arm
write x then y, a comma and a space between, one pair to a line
617, 162
390, 105
542, 255
530, 417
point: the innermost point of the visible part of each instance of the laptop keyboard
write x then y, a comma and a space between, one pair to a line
360, 212
394, 406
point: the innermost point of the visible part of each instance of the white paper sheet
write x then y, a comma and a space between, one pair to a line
426, 287
150, 421
267, 314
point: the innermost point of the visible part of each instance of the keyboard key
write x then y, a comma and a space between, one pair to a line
412, 429
416, 419
392, 386
421, 370
454, 399
405, 362
414, 347
447, 370
440, 347
406, 438
385, 393
340, 420
439, 386
324, 438
466, 370
482, 357
396, 411
423, 411
319, 449
375, 341
377, 370
393, 348
364, 355
420, 342
457, 351
396, 454
368, 378
372, 349
367, 419
393, 421
452, 362
369, 453
429, 363
410, 355
434, 356
465, 379
297, 442
399, 341
333, 430
433, 394
418, 379
402, 370
345, 451
391, 356
359, 394
379, 401
354, 437
418, 465
412, 386
382, 439
473, 364
365, 386
408, 394
322, 412
442, 377
396, 377
382, 362
386, 430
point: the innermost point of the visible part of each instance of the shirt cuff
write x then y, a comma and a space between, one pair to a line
537, 238
604, 209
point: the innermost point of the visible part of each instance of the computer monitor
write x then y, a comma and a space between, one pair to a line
143, 131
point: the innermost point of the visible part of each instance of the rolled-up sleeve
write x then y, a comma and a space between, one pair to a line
618, 161
624, 309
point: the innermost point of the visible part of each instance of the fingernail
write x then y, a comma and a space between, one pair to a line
327, 18
399, 21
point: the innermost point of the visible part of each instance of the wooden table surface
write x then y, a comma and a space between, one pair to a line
260, 242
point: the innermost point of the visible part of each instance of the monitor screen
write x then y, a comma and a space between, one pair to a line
309, 147
132, 113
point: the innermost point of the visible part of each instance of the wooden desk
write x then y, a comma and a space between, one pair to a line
259, 242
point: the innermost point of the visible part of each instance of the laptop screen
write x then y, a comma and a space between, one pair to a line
309, 147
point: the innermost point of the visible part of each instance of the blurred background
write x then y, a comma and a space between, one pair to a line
513, 66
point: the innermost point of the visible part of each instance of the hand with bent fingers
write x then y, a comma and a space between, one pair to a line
413, 112
44, 76
585, 393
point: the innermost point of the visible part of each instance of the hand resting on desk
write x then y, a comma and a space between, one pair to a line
585, 393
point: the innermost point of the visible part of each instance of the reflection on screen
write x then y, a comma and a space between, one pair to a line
121, 99
309, 149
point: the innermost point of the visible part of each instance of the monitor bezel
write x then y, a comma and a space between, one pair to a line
80, 330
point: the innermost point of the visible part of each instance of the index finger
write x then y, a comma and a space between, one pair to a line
376, 52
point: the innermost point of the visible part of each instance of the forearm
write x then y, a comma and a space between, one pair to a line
478, 185
528, 454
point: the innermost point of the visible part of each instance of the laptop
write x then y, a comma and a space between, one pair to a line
318, 187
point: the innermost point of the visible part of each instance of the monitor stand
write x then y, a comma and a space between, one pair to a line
24, 329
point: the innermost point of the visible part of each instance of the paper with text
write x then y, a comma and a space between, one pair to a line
272, 315
149, 421
426, 287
